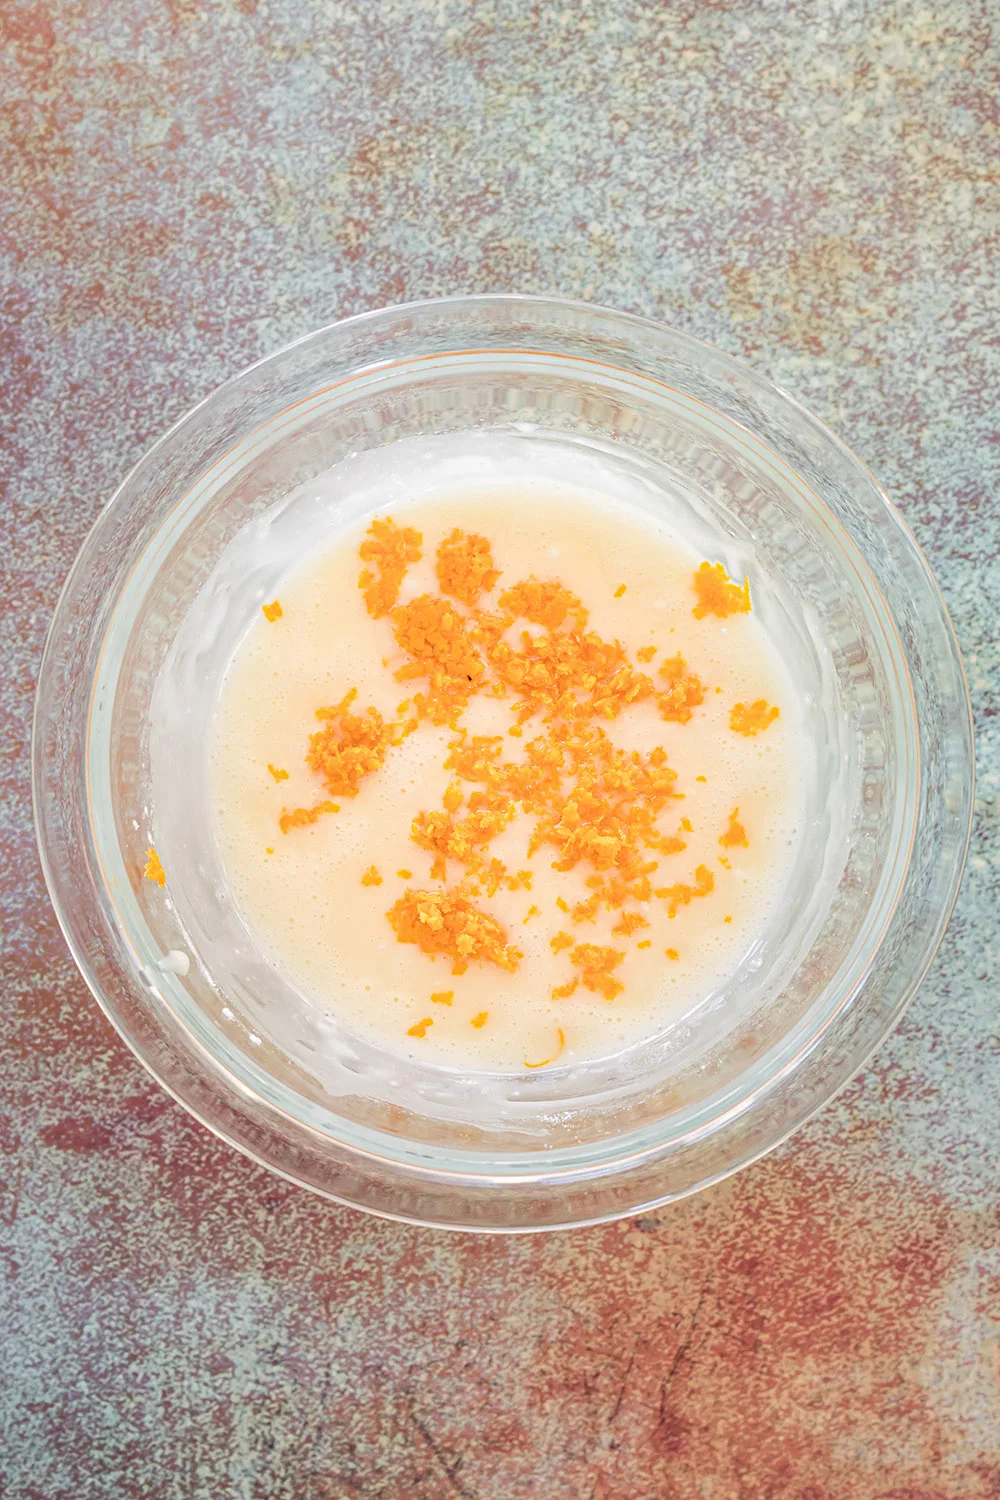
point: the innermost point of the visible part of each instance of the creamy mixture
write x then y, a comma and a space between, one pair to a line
506, 778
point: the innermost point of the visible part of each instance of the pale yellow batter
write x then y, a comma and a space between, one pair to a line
301, 893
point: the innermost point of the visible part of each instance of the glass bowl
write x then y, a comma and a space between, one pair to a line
888, 806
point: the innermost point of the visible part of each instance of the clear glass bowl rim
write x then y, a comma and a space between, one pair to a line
433, 1196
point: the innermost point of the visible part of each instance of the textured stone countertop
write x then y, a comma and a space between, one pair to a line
189, 184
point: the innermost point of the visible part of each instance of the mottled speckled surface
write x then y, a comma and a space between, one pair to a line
189, 185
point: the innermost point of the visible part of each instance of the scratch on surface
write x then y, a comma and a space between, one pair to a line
450, 1469
680, 1354
621, 1388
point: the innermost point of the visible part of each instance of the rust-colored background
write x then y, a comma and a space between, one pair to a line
185, 186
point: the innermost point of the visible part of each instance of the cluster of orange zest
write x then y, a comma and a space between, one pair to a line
465, 838
748, 718
442, 997
277, 772
546, 1060
629, 922
680, 895
596, 965
272, 611
447, 923
735, 833
684, 690
548, 604
479, 1020
347, 749
465, 567
718, 594
350, 746
154, 870
371, 876
420, 1027
390, 549
589, 802
435, 637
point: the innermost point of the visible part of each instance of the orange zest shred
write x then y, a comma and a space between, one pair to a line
442, 997
447, 923
619, 591
350, 746
680, 894
465, 567
420, 1027
390, 550
717, 593
277, 772
701, 778
303, 816
560, 941
347, 749
684, 690
546, 1060
480, 1019
533, 911
629, 922
672, 954
735, 833
405, 874
646, 944
272, 611
646, 653
750, 718
371, 876
154, 869
563, 991
596, 965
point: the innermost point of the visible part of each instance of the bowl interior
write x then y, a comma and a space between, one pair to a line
199, 586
